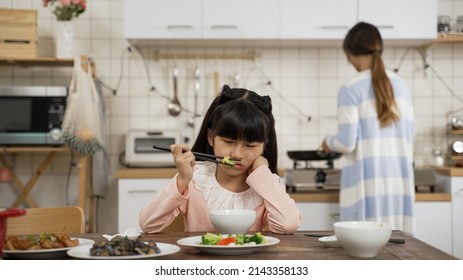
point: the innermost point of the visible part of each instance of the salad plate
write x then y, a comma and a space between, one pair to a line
195, 242
45, 253
83, 252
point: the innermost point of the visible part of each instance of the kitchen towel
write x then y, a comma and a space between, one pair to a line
100, 160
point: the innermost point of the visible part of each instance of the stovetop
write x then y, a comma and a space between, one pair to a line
312, 179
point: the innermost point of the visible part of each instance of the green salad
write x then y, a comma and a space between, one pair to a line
236, 239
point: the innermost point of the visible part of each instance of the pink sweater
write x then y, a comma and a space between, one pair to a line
277, 212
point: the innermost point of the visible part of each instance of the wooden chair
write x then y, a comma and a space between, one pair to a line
176, 226
51, 220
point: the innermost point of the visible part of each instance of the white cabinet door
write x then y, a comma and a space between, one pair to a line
133, 194
434, 224
241, 19
315, 19
162, 19
318, 215
401, 19
457, 211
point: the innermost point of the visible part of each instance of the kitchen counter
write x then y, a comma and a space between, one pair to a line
316, 196
145, 173
449, 171
333, 196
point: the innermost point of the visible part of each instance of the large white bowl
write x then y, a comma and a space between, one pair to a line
362, 239
232, 221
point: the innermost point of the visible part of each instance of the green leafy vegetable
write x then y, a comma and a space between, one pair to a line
211, 238
228, 161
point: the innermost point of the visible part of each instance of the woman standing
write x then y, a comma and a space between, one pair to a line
375, 134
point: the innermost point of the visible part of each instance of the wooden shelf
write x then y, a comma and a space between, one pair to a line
38, 61
456, 132
32, 149
449, 38
456, 157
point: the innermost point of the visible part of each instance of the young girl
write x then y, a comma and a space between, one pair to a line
239, 124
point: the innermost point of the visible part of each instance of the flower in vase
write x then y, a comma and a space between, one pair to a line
65, 9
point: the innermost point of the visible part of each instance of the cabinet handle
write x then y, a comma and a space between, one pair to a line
224, 27
335, 216
458, 192
180, 27
334, 27
142, 191
385, 26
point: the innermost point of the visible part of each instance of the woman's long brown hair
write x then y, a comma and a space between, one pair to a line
365, 39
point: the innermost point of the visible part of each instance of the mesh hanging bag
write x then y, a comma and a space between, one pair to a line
81, 123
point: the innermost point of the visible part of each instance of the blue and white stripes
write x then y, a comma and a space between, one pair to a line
377, 180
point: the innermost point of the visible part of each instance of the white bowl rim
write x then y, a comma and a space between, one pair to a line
362, 224
232, 212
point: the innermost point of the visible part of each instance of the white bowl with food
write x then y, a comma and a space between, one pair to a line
362, 239
232, 221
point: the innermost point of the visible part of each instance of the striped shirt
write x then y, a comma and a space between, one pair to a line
377, 181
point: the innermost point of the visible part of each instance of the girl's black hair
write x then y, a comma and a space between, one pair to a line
240, 114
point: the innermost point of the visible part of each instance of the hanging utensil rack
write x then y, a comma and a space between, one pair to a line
246, 56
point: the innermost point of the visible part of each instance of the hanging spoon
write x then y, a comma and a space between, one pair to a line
174, 106
197, 86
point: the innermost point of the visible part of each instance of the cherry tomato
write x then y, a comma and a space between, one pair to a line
227, 241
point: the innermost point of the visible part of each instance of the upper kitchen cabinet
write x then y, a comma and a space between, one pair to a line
201, 19
401, 19
241, 19
271, 21
162, 19
315, 19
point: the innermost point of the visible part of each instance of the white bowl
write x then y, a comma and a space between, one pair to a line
232, 221
362, 239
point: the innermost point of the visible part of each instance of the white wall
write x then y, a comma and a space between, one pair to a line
308, 77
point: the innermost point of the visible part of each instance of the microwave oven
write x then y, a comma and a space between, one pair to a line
32, 115
139, 151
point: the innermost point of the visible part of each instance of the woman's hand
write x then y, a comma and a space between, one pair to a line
184, 161
325, 147
258, 162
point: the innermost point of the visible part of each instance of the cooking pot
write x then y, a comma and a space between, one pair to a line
457, 123
313, 155
9, 213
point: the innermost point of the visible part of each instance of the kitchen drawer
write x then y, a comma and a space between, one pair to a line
318, 215
133, 194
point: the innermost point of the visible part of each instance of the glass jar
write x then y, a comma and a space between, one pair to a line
458, 27
438, 158
443, 24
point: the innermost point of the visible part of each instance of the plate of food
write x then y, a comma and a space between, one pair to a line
229, 244
42, 246
122, 248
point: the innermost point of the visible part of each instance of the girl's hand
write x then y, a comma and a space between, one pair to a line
258, 162
184, 161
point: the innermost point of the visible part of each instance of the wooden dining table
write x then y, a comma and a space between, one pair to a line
297, 246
